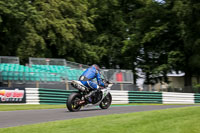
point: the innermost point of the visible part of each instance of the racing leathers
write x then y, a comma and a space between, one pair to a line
90, 74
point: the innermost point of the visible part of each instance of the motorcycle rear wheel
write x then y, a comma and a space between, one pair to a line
72, 102
106, 102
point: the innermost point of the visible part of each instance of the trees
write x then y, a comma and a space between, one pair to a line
187, 13
110, 31
154, 36
47, 28
166, 36
63, 25
13, 16
149, 39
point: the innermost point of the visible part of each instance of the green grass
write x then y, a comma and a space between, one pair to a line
29, 107
178, 120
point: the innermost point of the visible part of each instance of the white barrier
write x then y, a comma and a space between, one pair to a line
32, 96
122, 97
119, 97
177, 98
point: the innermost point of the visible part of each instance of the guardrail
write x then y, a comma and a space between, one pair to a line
57, 96
145, 97
32, 96
178, 98
53, 96
197, 98
119, 97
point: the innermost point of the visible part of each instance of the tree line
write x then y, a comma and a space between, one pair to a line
155, 36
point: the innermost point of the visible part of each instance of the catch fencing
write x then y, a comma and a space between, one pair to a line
76, 65
9, 59
118, 75
47, 61
114, 75
58, 70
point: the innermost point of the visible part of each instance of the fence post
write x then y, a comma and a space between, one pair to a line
67, 86
37, 84
9, 84
150, 87
121, 86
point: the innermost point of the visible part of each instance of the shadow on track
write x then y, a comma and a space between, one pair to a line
86, 110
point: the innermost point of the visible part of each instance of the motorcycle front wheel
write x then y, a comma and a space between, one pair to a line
106, 102
72, 102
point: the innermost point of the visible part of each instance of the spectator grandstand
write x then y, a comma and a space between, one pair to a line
43, 70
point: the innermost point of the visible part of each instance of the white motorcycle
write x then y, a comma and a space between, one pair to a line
101, 97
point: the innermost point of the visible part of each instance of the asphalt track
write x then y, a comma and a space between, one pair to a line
23, 117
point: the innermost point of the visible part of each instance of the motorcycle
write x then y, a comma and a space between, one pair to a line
100, 97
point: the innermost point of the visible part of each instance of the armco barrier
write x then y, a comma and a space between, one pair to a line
53, 96
57, 96
32, 96
197, 98
144, 97
178, 98
119, 97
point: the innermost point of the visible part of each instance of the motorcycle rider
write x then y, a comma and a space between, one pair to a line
87, 77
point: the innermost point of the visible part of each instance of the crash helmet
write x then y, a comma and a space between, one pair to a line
96, 67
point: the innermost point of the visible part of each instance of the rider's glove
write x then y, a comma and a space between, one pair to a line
101, 87
106, 85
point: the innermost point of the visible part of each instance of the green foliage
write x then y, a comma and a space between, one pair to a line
196, 87
156, 37
45, 28
29, 107
166, 36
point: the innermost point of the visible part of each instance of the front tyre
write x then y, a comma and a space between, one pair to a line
73, 102
106, 102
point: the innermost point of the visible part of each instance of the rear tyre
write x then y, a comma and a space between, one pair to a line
72, 102
106, 102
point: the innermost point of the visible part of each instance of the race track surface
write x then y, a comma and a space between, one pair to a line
23, 117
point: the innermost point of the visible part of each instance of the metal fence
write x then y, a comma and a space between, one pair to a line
53, 80
9, 59
188, 89
53, 61
76, 65
47, 76
46, 61
62, 85
17, 76
114, 75
118, 75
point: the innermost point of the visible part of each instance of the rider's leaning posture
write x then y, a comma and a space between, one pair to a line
87, 77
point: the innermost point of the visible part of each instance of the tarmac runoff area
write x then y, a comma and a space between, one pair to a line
24, 117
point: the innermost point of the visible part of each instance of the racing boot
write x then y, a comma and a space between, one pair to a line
88, 96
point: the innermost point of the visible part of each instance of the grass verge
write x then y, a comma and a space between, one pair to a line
45, 106
178, 120
29, 107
